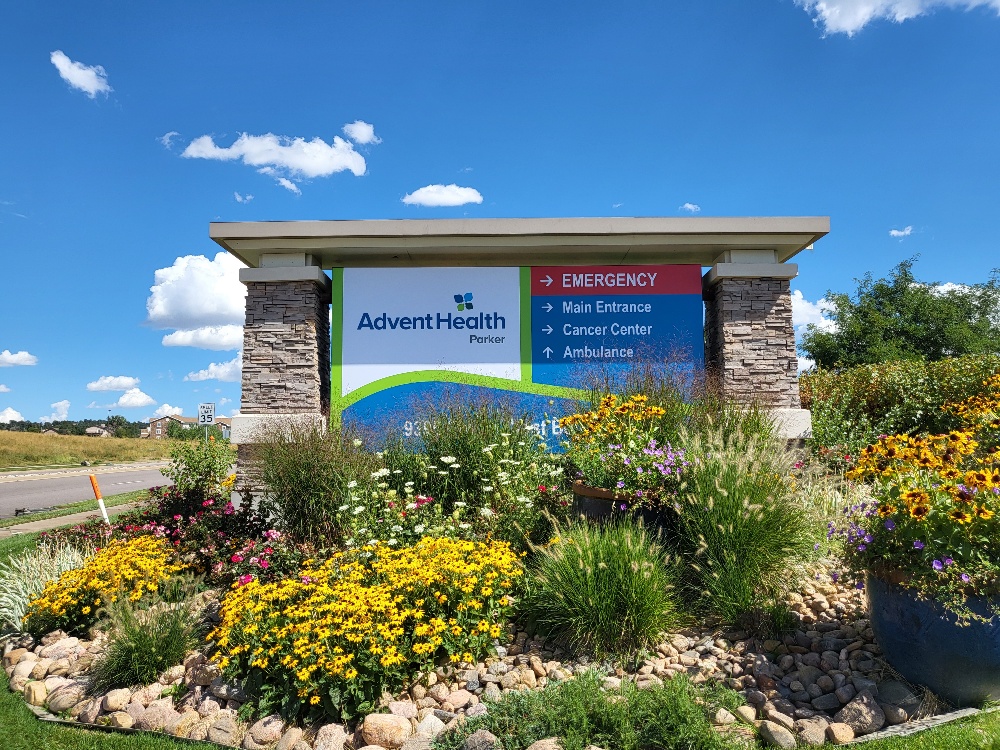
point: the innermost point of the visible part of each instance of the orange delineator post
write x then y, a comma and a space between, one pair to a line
100, 500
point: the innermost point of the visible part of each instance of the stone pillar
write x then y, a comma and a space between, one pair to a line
286, 349
749, 338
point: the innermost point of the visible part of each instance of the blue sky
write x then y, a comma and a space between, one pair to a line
127, 128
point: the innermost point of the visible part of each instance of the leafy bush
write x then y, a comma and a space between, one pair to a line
738, 526
852, 407
142, 644
329, 642
23, 577
199, 469
130, 568
672, 717
604, 590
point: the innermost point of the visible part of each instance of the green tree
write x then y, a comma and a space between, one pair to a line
900, 318
178, 431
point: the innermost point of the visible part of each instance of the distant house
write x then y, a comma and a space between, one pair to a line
100, 431
157, 429
50, 431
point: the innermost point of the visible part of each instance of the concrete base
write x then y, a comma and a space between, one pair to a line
792, 424
246, 426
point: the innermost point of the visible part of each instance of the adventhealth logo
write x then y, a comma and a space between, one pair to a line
436, 321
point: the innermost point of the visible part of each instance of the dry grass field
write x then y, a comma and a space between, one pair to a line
22, 449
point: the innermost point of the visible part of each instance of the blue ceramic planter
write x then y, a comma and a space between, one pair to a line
925, 645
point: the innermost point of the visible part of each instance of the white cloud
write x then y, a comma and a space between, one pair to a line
8, 415
223, 401
282, 157
4, 389
242, 198
690, 208
167, 139
227, 372
442, 195
217, 338
195, 292
905, 232
361, 132
806, 364
90, 79
12, 359
850, 16
805, 313
113, 383
131, 399
166, 410
60, 410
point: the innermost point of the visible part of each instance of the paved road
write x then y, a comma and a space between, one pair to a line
43, 489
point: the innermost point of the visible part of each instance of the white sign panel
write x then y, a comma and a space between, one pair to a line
206, 414
409, 320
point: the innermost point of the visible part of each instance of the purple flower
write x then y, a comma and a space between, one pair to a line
868, 538
816, 546
890, 524
859, 585
948, 561
620, 484
862, 547
834, 577
965, 578
917, 544
937, 565
622, 506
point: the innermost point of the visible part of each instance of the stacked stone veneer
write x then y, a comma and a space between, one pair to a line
286, 344
750, 342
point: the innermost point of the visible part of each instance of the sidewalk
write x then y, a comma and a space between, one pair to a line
54, 523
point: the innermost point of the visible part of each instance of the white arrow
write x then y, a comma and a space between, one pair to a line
547, 352
547, 329
548, 307
547, 280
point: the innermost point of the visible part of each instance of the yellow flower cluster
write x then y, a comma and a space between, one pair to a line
983, 409
130, 568
894, 455
611, 419
364, 621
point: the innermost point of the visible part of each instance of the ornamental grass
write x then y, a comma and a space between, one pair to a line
128, 569
327, 643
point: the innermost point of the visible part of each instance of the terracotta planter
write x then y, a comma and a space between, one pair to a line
602, 505
924, 643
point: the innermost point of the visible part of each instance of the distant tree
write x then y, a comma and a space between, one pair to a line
178, 432
119, 426
900, 318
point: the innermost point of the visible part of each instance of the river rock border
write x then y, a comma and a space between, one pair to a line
822, 683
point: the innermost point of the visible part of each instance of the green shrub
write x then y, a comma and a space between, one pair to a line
309, 474
23, 577
199, 469
739, 530
142, 644
604, 590
580, 713
852, 407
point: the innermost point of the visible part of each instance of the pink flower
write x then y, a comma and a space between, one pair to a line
237, 558
254, 560
244, 580
272, 534
264, 564
178, 517
229, 510
268, 550
207, 503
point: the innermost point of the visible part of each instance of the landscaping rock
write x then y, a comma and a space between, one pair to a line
148, 694
267, 730
171, 675
893, 714
839, 734
460, 698
224, 731
479, 709
11, 658
41, 669
746, 713
723, 717
183, 724
289, 739
812, 731
135, 709
66, 697
417, 743
116, 700
386, 730
90, 711
331, 737
430, 726
61, 649
480, 740
60, 668
35, 693
550, 743
776, 735
120, 720
154, 718
863, 714
778, 717
203, 674
406, 709
209, 706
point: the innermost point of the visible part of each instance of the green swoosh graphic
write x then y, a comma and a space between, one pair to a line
449, 376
